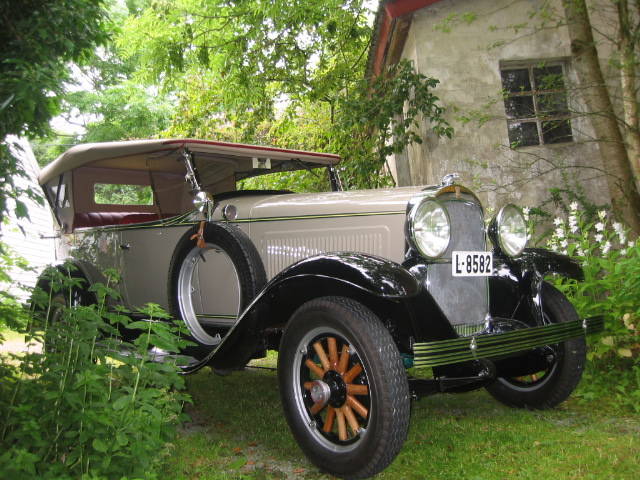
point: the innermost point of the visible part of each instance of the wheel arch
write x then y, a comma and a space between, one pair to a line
73, 268
355, 276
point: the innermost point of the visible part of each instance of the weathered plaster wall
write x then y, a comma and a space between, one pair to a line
27, 243
466, 60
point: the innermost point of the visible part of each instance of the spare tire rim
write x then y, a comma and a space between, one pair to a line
189, 286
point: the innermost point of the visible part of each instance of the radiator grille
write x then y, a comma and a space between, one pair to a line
282, 249
464, 300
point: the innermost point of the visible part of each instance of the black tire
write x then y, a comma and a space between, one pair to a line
550, 387
382, 430
248, 266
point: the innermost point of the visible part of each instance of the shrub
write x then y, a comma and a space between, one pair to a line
611, 288
89, 404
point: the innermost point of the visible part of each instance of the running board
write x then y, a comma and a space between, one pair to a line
462, 349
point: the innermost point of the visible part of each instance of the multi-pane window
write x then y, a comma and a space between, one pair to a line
535, 100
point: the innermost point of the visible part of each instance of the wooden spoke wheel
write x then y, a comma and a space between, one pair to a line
336, 389
343, 387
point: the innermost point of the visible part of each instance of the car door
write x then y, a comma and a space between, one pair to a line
146, 255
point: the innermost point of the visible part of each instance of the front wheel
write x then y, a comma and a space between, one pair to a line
343, 386
553, 385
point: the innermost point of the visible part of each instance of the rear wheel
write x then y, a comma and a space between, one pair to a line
553, 384
343, 387
50, 303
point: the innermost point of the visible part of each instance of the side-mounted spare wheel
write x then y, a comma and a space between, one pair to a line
210, 286
343, 387
552, 385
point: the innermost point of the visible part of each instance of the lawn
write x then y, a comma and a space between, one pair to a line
238, 432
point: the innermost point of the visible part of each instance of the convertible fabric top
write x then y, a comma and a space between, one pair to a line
161, 155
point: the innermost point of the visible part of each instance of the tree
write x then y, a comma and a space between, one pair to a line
37, 40
622, 158
283, 73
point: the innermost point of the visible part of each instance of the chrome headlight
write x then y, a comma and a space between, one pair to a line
429, 228
201, 201
508, 230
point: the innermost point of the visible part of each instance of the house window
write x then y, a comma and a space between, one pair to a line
535, 101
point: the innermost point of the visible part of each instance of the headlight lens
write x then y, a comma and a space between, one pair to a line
511, 230
430, 228
200, 201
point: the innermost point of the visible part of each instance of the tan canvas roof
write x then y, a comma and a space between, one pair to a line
161, 155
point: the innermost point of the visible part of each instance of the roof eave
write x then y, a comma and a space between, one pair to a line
390, 30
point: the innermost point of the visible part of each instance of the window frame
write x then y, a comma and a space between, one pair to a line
539, 117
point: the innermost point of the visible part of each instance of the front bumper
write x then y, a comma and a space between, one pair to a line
462, 349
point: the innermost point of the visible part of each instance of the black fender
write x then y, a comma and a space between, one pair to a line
382, 285
516, 288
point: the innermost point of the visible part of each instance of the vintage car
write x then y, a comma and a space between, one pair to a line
352, 288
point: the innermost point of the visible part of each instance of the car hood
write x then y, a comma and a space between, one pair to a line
333, 203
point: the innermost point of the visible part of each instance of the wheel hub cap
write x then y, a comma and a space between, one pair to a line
320, 392
337, 388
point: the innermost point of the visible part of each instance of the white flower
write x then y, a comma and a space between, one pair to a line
564, 252
598, 237
631, 244
623, 251
573, 206
617, 226
559, 232
564, 243
580, 251
558, 221
526, 210
606, 247
602, 214
574, 228
599, 226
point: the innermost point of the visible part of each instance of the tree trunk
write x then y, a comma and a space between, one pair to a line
629, 89
620, 178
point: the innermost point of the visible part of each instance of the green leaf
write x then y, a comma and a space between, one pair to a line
99, 445
122, 402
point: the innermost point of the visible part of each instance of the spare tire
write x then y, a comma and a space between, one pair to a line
209, 287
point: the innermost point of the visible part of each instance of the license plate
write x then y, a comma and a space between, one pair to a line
471, 264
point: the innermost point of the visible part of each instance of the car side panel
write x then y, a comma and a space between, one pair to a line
95, 247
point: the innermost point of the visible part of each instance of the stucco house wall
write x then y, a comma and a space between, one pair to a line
467, 58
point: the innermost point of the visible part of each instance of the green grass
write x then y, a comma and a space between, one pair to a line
238, 432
